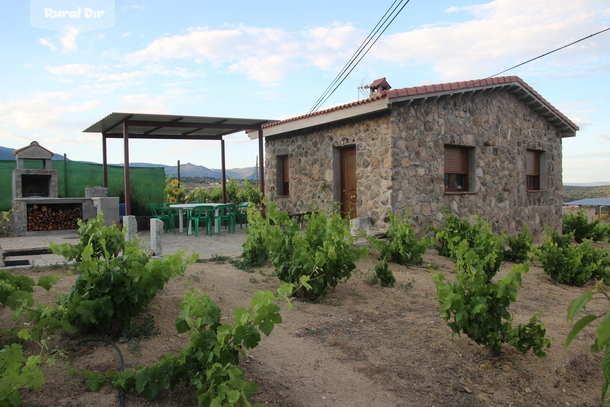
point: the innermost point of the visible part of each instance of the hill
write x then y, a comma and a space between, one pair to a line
186, 170
6, 153
197, 171
575, 192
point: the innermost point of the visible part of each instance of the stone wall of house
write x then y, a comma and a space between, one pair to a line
314, 175
400, 163
501, 129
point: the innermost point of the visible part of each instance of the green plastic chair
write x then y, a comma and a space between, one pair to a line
242, 213
173, 212
203, 214
227, 213
165, 215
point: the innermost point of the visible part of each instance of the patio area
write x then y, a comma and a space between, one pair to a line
225, 244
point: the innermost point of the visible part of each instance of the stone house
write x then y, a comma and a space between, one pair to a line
489, 147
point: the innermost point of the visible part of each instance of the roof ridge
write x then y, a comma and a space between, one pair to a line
438, 88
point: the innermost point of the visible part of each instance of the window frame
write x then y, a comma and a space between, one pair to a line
533, 170
459, 159
283, 175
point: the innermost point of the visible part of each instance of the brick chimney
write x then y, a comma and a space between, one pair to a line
377, 87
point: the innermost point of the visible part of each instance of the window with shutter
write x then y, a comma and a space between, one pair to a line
283, 175
456, 168
532, 173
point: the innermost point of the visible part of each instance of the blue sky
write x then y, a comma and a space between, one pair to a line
273, 59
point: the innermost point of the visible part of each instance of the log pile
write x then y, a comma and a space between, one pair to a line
53, 217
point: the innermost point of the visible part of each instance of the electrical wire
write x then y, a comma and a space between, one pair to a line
548, 53
354, 56
382, 25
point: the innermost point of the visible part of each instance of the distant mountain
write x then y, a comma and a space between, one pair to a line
587, 184
6, 153
576, 192
192, 170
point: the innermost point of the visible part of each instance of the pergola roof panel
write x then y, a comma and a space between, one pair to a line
143, 125
170, 127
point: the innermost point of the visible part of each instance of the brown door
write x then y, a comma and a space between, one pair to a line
349, 195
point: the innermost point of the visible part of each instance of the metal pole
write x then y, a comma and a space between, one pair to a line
178, 172
126, 169
224, 172
261, 163
65, 175
104, 160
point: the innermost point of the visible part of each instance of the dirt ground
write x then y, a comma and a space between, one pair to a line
362, 346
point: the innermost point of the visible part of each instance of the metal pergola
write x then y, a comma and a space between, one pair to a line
169, 127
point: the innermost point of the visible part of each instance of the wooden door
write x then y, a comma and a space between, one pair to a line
349, 190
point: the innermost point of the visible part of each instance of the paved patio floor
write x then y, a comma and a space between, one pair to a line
225, 244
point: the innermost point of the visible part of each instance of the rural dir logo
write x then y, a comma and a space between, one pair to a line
80, 15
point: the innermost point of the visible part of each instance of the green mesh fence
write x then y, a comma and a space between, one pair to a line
147, 183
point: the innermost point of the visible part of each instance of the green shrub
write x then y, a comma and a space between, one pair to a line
572, 264
324, 252
579, 226
487, 249
602, 341
256, 249
384, 274
478, 307
402, 246
520, 247
105, 241
235, 192
116, 283
209, 363
456, 230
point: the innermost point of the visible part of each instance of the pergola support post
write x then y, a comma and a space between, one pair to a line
105, 160
261, 163
126, 169
223, 172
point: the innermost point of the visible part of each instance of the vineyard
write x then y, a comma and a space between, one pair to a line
360, 343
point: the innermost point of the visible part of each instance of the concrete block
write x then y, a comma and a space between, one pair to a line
109, 207
96, 192
360, 224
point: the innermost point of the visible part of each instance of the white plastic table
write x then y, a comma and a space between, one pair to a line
182, 207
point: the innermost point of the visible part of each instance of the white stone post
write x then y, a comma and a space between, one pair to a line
156, 236
131, 225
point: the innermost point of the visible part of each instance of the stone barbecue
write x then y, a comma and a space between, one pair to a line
36, 204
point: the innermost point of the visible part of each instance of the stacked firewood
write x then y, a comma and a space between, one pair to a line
53, 217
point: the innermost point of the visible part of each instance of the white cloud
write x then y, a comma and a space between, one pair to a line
126, 34
268, 70
501, 33
133, 7
177, 91
68, 40
9, 135
145, 103
73, 69
44, 110
262, 54
603, 136
47, 43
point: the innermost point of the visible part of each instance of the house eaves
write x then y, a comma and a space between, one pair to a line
511, 84
384, 100
334, 114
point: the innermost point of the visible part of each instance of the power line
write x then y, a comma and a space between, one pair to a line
548, 53
366, 43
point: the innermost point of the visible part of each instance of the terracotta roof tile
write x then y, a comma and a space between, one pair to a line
439, 88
